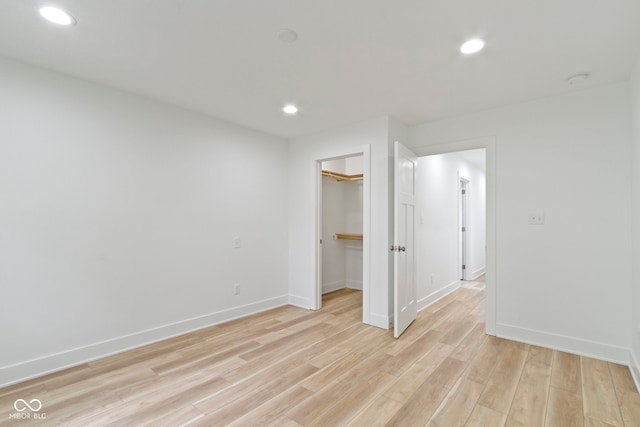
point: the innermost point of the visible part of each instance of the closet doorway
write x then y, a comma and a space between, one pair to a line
341, 228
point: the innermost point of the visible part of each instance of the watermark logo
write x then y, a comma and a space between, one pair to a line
21, 405
28, 410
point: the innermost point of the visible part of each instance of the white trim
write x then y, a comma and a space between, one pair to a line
489, 143
333, 286
366, 235
593, 349
354, 284
463, 216
23, 371
437, 295
634, 367
317, 289
381, 321
479, 272
302, 302
339, 284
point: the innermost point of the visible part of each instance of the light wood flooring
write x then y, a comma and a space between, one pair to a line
290, 367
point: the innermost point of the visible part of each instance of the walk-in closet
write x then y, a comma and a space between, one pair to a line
342, 213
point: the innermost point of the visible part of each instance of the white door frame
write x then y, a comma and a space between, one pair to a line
365, 151
463, 221
488, 143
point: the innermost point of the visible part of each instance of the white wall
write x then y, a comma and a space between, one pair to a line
118, 217
564, 284
353, 206
353, 165
349, 165
353, 263
333, 221
476, 221
352, 193
335, 165
303, 154
635, 326
437, 233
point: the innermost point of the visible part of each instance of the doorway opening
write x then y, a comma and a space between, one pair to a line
455, 236
343, 228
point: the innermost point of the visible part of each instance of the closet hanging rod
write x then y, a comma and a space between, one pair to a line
343, 177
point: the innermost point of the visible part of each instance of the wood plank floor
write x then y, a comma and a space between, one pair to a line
293, 367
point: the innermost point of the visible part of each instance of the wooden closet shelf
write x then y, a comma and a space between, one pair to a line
348, 236
343, 177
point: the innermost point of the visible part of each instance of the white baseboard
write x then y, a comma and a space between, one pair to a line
479, 272
333, 286
437, 295
297, 301
56, 362
337, 285
384, 322
634, 367
354, 284
596, 350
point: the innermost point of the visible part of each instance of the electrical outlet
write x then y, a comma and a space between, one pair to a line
536, 218
236, 289
236, 242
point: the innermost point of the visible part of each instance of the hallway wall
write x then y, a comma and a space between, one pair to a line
437, 232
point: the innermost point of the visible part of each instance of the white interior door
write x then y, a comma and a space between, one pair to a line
404, 286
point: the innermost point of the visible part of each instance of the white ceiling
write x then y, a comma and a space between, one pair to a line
354, 59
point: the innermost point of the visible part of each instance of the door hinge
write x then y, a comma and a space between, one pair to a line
464, 267
464, 191
320, 241
464, 228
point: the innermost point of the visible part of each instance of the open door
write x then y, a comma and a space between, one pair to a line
404, 286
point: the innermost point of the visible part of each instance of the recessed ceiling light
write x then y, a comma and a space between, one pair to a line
578, 78
290, 109
57, 16
287, 35
472, 46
